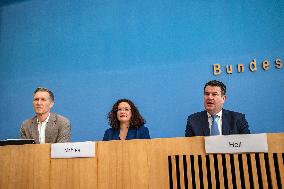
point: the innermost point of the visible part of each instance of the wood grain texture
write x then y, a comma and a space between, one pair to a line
136, 164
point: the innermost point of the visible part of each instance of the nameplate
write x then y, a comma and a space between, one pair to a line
73, 150
236, 143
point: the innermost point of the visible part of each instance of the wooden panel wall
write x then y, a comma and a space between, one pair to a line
25, 166
176, 163
123, 164
73, 173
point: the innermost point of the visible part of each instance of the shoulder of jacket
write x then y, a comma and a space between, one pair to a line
58, 117
233, 113
196, 115
143, 128
28, 122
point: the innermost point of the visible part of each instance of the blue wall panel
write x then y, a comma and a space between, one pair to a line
157, 53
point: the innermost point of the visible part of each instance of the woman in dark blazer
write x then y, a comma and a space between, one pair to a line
126, 122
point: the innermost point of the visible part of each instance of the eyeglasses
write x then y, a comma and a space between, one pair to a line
123, 109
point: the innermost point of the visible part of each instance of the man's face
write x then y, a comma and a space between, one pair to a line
213, 99
42, 102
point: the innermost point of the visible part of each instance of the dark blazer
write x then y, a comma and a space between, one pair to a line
58, 129
232, 123
137, 133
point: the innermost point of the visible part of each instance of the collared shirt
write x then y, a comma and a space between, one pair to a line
210, 120
41, 126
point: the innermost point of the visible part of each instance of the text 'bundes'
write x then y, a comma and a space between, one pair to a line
252, 67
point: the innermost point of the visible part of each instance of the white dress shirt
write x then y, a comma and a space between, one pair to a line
41, 126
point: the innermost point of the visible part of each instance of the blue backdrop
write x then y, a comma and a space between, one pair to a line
157, 53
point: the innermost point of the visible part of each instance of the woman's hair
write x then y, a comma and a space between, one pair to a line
136, 120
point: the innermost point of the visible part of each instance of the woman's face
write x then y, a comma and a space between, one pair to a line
123, 112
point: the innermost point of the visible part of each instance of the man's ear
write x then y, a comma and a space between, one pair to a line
224, 98
51, 105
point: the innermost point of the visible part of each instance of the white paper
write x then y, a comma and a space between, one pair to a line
73, 150
236, 143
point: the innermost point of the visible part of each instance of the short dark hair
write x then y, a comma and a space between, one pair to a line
215, 83
136, 120
42, 89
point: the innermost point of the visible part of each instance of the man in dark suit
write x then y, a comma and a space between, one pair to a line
45, 127
215, 120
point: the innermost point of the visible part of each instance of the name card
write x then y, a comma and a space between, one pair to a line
73, 150
236, 143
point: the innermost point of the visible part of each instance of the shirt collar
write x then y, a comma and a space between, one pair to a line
45, 121
219, 114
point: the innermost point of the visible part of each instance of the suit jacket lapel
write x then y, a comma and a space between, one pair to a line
49, 129
225, 123
205, 124
34, 130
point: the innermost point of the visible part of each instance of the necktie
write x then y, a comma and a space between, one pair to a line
214, 127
